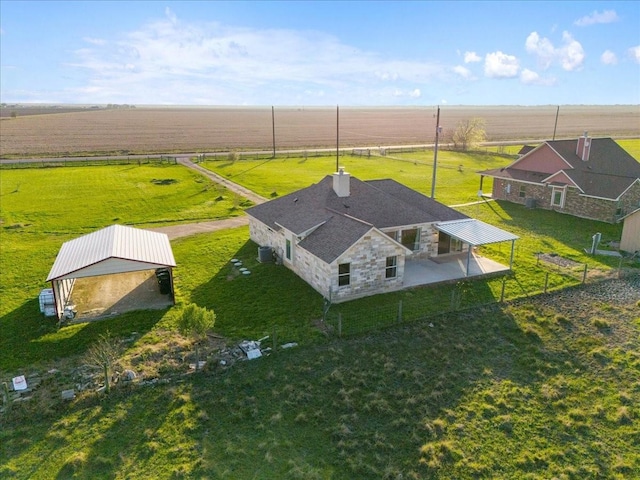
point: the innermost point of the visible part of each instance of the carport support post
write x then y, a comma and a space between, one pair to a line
468, 258
513, 242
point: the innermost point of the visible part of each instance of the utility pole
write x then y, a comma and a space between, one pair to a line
556, 125
273, 129
337, 138
435, 156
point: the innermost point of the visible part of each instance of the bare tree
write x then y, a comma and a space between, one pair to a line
468, 134
195, 321
103, 354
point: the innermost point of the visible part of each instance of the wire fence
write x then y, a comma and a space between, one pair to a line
343, 320
89, 162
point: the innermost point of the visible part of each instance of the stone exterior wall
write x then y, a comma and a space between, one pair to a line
368, 267
574, 203
630, 201
367, 259
428, 246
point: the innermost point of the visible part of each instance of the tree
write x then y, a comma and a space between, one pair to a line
469, 133
103, 354
195, 321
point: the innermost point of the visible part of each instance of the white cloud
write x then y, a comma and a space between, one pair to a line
569, 56
571, 53
607, 16
173, 61
471, 57
608, 58
94, 41
464, 72
501, 65
634, 53
529, 77
542, 48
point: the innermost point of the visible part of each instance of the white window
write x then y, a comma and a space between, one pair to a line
391, 269
557, 197
344, 274
411, 239
523, 191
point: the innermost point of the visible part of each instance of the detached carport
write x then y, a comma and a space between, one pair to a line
475, 233
110, 251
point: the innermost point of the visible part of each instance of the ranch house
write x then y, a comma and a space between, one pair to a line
349, 238
589, 178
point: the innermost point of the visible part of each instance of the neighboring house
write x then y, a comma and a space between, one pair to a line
630, 240
349, 238
588, 178
525, 149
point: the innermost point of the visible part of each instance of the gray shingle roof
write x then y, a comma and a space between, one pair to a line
608, 172
341, 221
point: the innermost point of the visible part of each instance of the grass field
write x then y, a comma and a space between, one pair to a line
457, 180
172, 130
502, 391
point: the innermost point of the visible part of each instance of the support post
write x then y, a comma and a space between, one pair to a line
337, 138
273, 128
584, 274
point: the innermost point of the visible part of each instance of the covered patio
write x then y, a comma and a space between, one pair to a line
466, 264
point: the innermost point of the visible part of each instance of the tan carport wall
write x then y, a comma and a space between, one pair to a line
111, 250
475, 233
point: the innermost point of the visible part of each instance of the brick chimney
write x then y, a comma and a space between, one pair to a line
341, 183
583, 147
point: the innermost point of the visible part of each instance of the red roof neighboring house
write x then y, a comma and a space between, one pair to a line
585, 177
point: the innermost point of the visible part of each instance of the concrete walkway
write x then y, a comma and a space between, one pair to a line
177, 231
234, 187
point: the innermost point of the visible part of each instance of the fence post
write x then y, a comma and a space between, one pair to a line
546, 281
400, 311
5, 397
584, 274
274, 339
620, 268
340, 324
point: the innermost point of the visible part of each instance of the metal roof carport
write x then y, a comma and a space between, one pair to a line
111, 250
475, 233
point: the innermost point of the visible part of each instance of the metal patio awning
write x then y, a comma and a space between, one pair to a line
475, 232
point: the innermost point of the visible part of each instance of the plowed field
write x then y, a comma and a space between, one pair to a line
184, 129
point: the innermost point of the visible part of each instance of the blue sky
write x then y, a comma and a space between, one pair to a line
320, 53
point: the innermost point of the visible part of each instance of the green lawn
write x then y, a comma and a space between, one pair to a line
42, 208
496, 393
457, 181
519, 391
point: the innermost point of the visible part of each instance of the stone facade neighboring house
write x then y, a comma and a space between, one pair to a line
630, 240
589, 178
349, 238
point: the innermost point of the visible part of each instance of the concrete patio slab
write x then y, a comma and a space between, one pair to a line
449, 268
